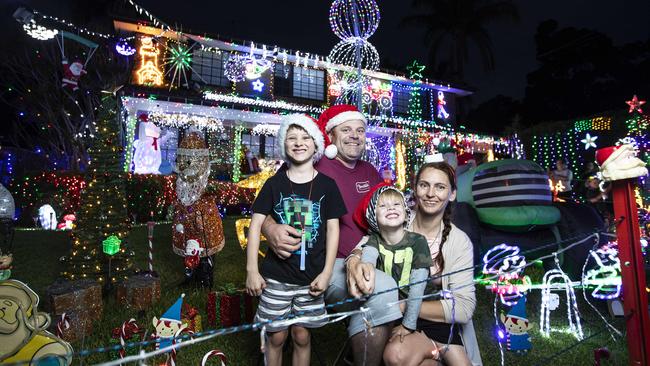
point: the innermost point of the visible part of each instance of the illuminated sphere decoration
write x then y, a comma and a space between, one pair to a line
124, 48
343, 13
235, 68
344, 53
7, 206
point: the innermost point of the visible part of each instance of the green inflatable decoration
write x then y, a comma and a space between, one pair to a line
510, 195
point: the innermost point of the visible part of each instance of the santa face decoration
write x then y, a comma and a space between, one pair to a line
191, 168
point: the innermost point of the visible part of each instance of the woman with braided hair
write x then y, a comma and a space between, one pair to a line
445, 330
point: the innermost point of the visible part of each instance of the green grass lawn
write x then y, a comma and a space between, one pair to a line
36, 262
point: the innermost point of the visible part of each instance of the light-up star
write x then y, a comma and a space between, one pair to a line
589, 141
258, 85
635, 104
415, 70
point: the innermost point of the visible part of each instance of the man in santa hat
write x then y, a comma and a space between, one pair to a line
344, 130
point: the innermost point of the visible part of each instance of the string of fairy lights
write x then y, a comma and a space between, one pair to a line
502, 260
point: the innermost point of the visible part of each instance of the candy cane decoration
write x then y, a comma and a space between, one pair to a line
62, 325
127, 330
150, 226
214, 353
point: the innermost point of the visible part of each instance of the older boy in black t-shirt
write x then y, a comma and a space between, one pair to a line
312, 203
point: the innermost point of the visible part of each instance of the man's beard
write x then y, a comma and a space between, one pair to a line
189, 192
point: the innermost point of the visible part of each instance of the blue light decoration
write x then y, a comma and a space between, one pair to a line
124, 48
258, 85
6, 168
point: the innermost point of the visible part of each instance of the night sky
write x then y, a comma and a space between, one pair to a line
303, 25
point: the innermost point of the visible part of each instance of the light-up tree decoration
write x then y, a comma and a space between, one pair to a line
415, 99
354, 21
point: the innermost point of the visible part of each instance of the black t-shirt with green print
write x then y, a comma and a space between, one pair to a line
398, 260
301, 205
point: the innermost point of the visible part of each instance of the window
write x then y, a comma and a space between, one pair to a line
252, 142
282, 80
208, 68
401, 97
308, 83
169, 143
270, 150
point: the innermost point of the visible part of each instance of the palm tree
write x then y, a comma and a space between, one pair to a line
457, 23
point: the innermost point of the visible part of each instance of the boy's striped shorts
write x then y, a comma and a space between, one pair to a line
284, 300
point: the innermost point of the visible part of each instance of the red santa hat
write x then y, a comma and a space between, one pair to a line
334, 116
603, 154
310, 125
365, 215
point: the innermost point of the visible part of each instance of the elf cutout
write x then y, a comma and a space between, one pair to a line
517, 326
168, 327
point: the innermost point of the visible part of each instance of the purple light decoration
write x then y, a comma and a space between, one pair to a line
384, 146
124, 48
501, 334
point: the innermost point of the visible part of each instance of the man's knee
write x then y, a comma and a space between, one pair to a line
393, 355
300, 336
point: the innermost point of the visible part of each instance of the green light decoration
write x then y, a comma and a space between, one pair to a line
130, 136
414, 112
236, 163
637, 124
415, 70
111, 245
178, 63
548, 148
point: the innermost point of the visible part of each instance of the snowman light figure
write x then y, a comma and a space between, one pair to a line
147, 156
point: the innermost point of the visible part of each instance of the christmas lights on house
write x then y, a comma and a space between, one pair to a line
149, 72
